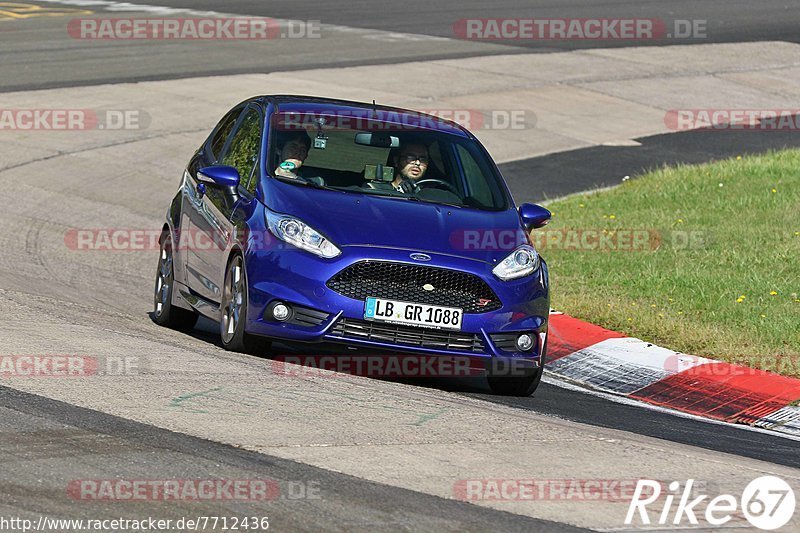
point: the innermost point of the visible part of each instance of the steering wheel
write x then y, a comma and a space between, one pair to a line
437, 182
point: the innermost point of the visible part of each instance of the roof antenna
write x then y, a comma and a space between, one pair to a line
374, 107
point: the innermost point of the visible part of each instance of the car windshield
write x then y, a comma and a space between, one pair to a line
390, 159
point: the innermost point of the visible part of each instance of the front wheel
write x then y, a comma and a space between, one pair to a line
164, 313
516, 385
234, 312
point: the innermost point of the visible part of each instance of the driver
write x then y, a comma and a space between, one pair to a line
293, 148
412, 161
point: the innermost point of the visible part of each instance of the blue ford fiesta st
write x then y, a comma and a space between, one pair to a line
311, 220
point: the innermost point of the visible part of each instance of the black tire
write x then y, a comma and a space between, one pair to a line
164, 313
516, 386
502, 384
234, 312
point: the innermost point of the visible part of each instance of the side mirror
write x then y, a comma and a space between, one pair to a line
533, 216
219, 175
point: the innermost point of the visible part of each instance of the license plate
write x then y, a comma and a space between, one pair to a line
429, 316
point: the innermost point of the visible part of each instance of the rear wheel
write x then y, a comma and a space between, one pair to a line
164, 313
234, 312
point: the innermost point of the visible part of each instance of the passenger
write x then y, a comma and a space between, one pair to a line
293, 149
410, 163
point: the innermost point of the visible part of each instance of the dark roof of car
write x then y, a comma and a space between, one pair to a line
368, 111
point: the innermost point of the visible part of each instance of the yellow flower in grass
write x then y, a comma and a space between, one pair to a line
773, 293
612, 217
738, 158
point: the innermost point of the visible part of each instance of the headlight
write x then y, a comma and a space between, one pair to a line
521, 262
298, 233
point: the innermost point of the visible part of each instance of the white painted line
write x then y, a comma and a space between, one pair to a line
588, 192
624, 142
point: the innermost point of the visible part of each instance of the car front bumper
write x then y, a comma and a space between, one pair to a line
323, 315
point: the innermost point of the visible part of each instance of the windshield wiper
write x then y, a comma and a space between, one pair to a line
302, 181
418, 199
413, 198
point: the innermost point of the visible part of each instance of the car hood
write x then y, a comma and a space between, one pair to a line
354, 219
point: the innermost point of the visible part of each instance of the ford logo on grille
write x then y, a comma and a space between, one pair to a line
420, 257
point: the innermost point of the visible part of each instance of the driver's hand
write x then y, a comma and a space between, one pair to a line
285, 173
297, 162
289, 172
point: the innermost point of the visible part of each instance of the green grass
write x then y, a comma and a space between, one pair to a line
733, 293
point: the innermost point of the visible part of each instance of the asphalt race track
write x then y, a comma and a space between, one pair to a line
346, 453
728, 21
36, 429
43, 56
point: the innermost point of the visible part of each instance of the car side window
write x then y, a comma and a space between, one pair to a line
242, 153
479, 182
223, 130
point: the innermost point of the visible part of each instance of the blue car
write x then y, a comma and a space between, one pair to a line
314, 221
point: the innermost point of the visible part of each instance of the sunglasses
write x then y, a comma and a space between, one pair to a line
409, 158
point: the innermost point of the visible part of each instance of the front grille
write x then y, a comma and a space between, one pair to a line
398, 281
349, 328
